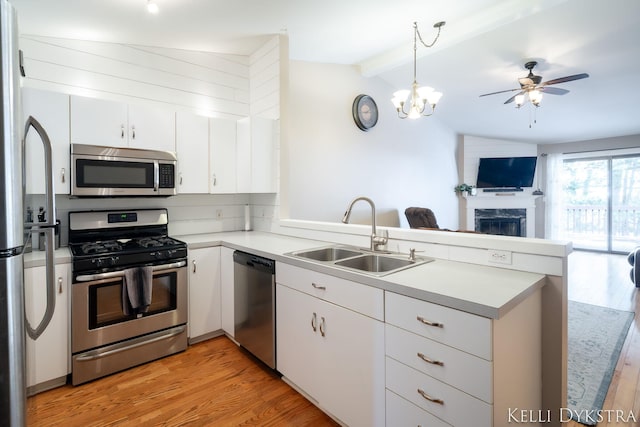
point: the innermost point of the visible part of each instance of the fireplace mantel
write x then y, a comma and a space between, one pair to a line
501, 201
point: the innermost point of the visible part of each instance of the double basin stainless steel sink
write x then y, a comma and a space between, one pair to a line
361, 260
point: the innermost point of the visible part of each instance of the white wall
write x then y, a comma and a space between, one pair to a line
398, 163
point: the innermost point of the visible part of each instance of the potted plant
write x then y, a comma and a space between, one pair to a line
465, 189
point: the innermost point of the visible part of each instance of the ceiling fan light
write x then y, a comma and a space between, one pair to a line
535, 96
519, 100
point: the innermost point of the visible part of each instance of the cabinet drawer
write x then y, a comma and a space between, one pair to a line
401, 412
454, 328
462, 370
361, 298
457, 407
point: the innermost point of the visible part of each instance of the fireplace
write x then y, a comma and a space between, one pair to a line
506, 222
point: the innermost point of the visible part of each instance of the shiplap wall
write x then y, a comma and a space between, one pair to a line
476, 147
205, 83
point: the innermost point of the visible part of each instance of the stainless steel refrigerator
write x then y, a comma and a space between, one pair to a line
13, 326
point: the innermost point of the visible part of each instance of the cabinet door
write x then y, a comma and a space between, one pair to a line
47, 357
98, 122
331, 352
226, 290
222, 156
263, 156
352, 364
298, 347
192, 147
152, 128
256, 156
51, 110
204, 291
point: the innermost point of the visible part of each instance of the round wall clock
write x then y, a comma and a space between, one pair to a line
365, 112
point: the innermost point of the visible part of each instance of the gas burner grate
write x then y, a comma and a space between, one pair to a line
101, 247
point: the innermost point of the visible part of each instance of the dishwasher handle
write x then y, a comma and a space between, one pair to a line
254, 261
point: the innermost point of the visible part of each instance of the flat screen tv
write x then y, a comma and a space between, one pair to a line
506, 172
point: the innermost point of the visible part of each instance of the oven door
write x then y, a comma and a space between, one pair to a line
97, 316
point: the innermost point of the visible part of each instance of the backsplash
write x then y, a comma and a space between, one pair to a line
188, 214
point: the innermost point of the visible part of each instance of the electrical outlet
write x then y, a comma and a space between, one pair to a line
499, 257
218, 213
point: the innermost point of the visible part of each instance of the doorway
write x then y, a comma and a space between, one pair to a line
601, 198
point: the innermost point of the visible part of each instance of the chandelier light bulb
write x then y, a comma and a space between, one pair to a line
152, 7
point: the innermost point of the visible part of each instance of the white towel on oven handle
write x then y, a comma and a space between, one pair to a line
137, 290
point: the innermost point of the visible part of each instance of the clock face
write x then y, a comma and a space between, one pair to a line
365, 112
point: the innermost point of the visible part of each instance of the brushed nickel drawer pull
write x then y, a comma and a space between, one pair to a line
433, 362
323, 288
429, 398
322, 328
429, 323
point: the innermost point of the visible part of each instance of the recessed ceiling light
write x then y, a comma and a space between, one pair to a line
152, 7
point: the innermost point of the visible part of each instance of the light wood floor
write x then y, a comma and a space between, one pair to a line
215, 383
603, 280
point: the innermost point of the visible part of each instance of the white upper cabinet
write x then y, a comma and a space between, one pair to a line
152, 128
222, 156
115, 124
256, 161
192, 147
51, 110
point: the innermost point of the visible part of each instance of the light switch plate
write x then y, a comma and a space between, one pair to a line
499, 257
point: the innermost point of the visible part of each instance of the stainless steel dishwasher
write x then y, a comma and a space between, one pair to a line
255, 305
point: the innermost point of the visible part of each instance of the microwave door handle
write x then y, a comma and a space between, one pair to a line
48, 169
156, 176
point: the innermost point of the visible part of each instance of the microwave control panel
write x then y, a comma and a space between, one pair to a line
167, 175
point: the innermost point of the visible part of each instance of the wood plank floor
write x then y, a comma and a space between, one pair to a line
602, 279
215, 383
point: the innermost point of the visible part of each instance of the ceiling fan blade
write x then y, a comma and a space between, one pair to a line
501, 91
554, 90
566, 79
510, 100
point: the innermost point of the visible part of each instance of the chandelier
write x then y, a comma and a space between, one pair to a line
417, 99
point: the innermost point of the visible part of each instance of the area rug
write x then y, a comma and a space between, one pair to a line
595, 338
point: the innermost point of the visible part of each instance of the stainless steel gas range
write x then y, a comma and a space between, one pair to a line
129, 294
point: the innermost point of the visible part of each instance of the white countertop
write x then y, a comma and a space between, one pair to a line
486, 291
482, 290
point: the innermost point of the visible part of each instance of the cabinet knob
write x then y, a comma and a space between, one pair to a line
133, 132
316, 286
121, 131
194, 265
62, 177
322, 327
215, 180
180, 178
314, 322
59, 285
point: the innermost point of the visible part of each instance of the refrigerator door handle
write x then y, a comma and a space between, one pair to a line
48, 170
34, 333
47, 227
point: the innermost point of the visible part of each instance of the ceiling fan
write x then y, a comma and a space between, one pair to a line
533, 87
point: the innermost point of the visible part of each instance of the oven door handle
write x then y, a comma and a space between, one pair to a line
112, 274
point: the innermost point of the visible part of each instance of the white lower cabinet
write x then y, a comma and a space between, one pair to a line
204, 292
47, 357
449, 367
333, 354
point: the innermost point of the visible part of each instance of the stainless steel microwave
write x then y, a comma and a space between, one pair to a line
98, 171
